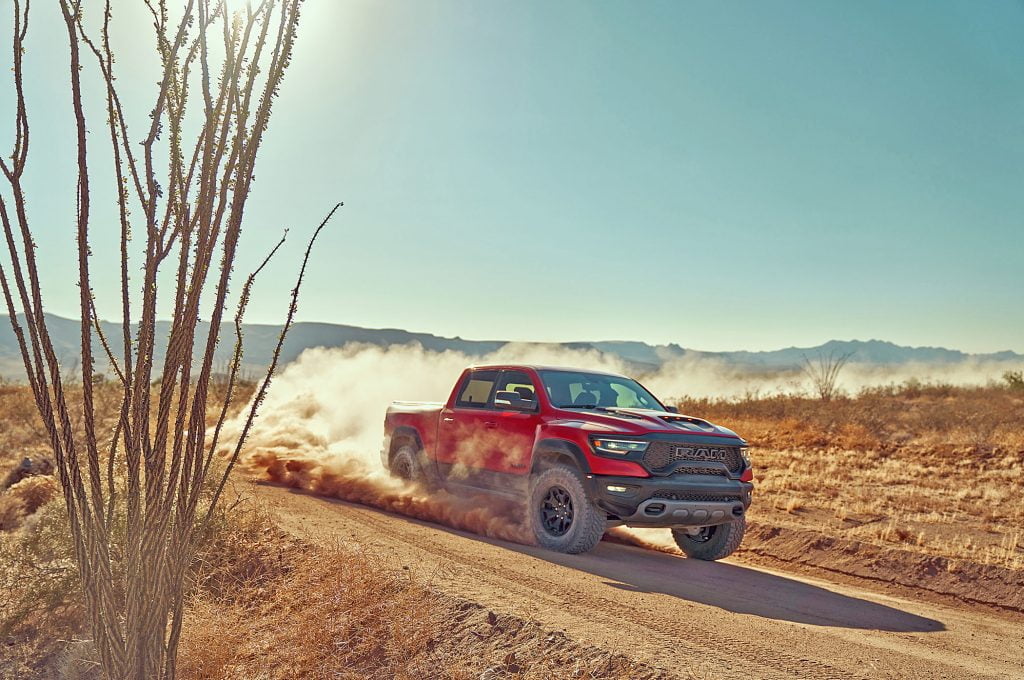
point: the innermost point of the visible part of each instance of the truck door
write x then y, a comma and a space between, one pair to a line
466, 429
515, 422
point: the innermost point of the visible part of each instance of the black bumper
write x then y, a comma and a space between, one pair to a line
678, 500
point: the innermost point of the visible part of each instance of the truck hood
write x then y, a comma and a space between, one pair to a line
643, 421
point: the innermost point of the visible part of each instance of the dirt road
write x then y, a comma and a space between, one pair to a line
712, 619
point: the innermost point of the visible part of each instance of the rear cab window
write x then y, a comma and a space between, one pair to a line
476, 389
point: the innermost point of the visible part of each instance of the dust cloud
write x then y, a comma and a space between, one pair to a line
659, 540
717, 379
320, 427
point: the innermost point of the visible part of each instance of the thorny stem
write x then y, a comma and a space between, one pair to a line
158, 445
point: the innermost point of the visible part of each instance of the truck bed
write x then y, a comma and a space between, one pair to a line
417, 418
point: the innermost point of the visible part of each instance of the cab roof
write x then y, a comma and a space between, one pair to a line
542, 367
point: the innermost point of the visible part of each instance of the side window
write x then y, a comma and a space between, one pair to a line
518, 382
476, 390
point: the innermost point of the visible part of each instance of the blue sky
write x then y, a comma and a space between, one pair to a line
739, 175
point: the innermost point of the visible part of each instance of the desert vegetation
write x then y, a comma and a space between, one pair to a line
823, 372
927, 467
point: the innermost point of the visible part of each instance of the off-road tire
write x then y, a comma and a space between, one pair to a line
583, 531
716, 541
405, 464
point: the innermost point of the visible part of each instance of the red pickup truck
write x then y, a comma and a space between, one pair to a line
585, 449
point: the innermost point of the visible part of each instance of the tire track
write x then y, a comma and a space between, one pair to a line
770, 660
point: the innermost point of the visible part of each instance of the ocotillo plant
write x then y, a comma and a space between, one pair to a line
182, 190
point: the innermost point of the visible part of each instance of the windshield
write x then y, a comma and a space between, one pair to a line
574, 389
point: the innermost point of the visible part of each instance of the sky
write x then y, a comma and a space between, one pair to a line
740, 175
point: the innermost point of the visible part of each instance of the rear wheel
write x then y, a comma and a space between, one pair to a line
561, 515
405, 464
711, 543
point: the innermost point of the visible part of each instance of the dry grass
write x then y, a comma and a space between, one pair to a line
267, 608
929, 419
932, 505
932, 469
22, 434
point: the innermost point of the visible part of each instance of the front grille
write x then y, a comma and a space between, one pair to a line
660, 456
696, 497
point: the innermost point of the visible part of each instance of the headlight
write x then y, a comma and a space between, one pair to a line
745, 453
618, 446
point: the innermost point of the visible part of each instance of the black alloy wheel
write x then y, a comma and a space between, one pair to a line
562, 516
556, 511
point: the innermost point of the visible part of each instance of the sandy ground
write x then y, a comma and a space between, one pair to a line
684, 616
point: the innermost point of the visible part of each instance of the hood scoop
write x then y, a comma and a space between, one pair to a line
689, 423
624, 413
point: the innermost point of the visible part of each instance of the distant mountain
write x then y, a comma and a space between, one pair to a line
260, 340
868, 352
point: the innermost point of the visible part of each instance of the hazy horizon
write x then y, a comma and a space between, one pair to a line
530, 341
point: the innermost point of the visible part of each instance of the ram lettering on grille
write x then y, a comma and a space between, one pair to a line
691, 453
660, 456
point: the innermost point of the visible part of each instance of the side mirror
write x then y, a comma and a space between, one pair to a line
672, 409
513, 401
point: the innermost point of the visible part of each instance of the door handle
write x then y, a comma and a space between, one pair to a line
449, 420
490, 424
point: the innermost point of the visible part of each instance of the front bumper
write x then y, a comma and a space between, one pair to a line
676, 501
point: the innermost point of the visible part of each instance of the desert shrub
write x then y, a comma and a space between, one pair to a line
24, 498
38, 579
1014, 380
243, 551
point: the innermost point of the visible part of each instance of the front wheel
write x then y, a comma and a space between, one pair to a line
711, 543
561, 515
